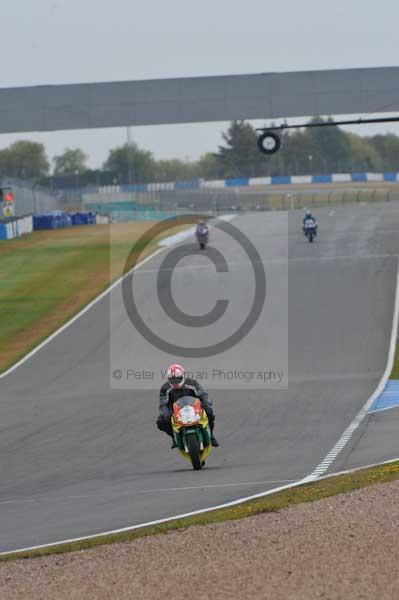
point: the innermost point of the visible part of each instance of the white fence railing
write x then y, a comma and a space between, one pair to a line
16, 228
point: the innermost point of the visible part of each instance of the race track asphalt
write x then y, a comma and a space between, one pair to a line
78, 457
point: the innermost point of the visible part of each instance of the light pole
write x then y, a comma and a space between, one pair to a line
77, 186
34, 186
130, 166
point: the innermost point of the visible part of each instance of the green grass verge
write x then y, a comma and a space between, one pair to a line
395, 370
310, 492
49, 276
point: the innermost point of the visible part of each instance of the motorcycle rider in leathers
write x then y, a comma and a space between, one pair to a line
177, 386
309, 221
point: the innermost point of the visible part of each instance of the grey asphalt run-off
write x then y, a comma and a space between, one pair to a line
78, 459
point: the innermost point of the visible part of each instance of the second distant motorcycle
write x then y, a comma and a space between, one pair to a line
202, 234
309, 227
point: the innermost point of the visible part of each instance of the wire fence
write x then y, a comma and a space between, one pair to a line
291, 200
235, 199
30, 198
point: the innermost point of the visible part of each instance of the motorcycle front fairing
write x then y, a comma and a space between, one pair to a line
189, 418
310, 227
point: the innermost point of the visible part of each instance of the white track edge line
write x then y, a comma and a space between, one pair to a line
36, 500
84, 310
298, 483
160, 521
163, 243
354, 470
315, 475
349, 431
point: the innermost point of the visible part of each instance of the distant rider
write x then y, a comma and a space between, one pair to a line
177, 386
309, 222
202, 229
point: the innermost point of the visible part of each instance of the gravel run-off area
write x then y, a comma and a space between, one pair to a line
341, 547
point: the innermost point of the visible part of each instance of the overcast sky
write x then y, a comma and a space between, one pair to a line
71, 41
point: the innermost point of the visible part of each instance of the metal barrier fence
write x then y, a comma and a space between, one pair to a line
224, 200
238, 182
15, 227
30, 198
287, 200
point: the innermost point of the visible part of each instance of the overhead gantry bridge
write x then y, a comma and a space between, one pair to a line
266, 96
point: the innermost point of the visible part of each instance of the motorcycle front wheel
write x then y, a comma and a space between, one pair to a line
194, 452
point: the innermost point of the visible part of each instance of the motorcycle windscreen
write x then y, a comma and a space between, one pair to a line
189, 407
186, 401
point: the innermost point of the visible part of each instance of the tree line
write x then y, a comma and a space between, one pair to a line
303, 151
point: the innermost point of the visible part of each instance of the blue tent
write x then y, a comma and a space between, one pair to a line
84, 218
52, 220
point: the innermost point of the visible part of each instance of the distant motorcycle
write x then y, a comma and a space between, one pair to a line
191, 430
310, 230
202, 235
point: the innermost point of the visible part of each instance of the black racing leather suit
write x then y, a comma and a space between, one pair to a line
168, 396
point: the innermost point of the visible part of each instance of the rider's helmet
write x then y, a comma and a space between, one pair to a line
308, 214
176, 376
